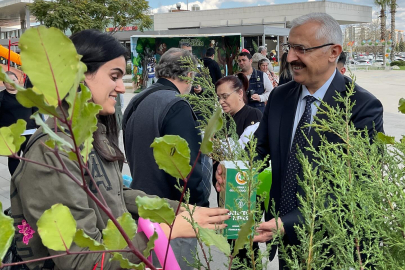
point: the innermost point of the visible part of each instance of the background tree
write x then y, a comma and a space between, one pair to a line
393, 9
383, 5
77, 15
401, 46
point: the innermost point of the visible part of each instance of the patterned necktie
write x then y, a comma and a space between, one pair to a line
289, 191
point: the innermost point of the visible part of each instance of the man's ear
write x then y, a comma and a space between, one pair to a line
335, 52
343, 70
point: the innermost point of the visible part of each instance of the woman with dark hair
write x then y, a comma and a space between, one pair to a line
231, 92
10, 111
36, 188
285, 73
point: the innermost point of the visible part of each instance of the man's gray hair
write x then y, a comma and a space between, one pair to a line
329, 31
171, 66
261, 48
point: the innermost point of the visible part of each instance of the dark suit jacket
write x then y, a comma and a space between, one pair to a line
275, 133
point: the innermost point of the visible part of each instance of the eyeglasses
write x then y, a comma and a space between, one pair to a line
226, 96
299, 49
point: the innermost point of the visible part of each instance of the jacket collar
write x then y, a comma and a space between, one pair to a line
168, 83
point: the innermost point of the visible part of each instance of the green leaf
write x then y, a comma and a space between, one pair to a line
72, 156
87, 147
57, 226
51, 61
53, 136
265, 178
73, 92
246, 231
385, 139
29, 98
401, 107
112, 236
83, 240
124, 262
51, 144
214, 124
150, 245
7, 233
210, 238
11, 139
83, 114
172, 155
155, 209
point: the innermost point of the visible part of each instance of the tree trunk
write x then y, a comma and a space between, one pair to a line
393, 36
383, 28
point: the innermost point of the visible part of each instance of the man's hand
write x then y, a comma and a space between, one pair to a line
197, 89
267, 229
255, 97
220, 185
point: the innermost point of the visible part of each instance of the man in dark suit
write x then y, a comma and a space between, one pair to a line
315, 43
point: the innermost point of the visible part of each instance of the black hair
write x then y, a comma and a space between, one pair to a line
11, 73
239, 81
284, 66
248, 55
342, 58
185, 44
98, 48
210, 52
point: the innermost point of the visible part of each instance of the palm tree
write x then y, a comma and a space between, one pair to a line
393, 9
383, 5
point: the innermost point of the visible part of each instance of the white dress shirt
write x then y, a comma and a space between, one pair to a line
319, 94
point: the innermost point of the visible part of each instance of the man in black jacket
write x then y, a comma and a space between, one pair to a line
209, 62
315, 43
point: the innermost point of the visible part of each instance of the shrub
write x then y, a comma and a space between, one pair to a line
398, 63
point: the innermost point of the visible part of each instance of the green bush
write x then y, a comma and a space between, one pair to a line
398, 63
128, 69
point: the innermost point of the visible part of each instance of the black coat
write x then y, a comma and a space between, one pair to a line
215, 71
275, 134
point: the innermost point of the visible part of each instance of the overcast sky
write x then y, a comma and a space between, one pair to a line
164, 6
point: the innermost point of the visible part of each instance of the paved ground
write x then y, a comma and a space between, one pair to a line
388, 86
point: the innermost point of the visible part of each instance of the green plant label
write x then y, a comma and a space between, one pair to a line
230, 198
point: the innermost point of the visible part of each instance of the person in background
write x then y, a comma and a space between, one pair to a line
259, 85
261, 54
263, 66
10, 111
119, 105
212, 65
186, 46
341, 63
231, 92
285, 70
